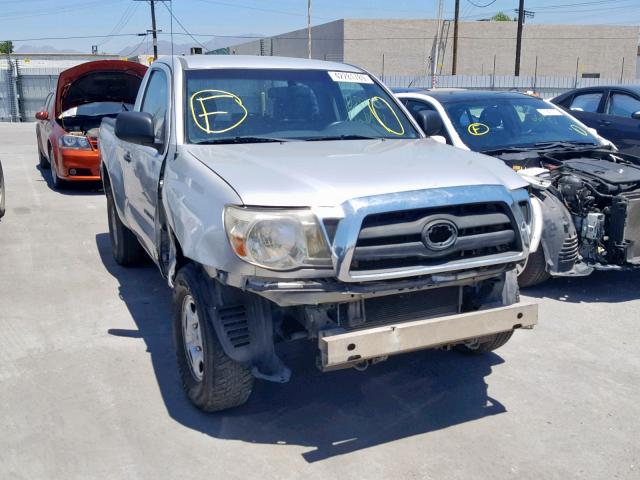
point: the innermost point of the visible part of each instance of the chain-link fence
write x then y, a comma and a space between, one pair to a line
547, 87
23, 88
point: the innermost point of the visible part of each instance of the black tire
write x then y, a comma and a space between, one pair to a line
125, 246
485, 344
56, 182
535, 271
43, 161
223, 383
2, 193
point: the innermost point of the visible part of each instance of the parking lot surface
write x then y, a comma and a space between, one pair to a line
89, 387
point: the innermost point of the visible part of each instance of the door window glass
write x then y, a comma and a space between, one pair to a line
623, 105
156, 102
586, 102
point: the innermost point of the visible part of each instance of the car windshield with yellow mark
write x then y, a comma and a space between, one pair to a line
494, 123
229, 105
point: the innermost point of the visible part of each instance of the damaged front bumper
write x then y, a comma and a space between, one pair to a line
287, 293
344, 349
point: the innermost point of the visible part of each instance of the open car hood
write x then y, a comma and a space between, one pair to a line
100, 81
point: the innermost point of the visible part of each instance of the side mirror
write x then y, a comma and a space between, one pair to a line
430, 122
135, 127
44, 115
636, 116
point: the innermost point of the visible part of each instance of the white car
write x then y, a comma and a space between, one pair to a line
583, 190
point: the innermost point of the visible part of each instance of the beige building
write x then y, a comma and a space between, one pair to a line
406, 47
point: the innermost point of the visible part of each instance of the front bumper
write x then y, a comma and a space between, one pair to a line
296, 292
86, 164
356, 346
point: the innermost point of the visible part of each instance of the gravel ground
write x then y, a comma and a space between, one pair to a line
89, 388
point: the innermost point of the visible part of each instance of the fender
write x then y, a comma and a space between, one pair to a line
558, 237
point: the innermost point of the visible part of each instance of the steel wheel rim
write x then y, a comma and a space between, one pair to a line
192, 338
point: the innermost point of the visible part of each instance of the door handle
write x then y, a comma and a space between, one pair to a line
606, 123
127, 157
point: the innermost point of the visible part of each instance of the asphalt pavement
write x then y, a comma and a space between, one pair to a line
89, 387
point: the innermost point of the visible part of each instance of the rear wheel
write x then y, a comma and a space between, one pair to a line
534, 271
211, 379
44, 162
485, 344
126, 248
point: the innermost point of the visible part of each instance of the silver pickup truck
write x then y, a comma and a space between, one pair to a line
288, 199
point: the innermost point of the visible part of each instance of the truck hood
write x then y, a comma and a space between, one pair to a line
328, 173
99, 81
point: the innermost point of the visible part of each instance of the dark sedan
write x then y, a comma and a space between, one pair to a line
613, 111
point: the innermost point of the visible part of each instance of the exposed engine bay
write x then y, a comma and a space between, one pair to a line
88, 98
86, 119
601, 191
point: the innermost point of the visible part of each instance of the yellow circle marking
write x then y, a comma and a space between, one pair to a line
202, 119
579, 129
372, 108
478, 129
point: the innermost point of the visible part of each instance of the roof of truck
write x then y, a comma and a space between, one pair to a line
254, 61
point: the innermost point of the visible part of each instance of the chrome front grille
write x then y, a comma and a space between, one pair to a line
393, 240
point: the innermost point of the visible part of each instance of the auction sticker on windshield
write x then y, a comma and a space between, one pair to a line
350, 77
549, 112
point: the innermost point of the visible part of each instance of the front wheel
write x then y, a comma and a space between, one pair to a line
211, 379
56, 182
534, 271
485, 344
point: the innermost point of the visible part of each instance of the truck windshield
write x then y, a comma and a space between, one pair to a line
243, 105
495, 123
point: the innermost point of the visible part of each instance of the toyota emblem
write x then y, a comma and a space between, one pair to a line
439, 235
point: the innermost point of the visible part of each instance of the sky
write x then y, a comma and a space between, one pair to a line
34, 22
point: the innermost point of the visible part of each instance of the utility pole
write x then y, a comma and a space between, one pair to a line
436, 53
455, 39
154, 30
309, 28
519, 37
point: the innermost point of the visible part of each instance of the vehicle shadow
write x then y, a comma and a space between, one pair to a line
71, 188
599, 287
334, 413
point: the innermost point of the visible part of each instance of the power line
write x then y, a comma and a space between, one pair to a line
183, 27
146, 35
482, 6
68, 8
124, 20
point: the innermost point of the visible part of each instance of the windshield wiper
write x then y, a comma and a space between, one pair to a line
341, 137
226, 141
543, 146
559, 144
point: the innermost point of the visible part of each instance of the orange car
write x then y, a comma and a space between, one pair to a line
67, 127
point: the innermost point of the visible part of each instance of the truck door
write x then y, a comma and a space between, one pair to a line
143, 163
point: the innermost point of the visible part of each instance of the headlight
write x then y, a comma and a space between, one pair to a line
76, 142
277, 239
